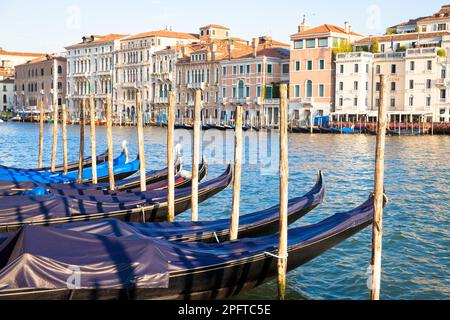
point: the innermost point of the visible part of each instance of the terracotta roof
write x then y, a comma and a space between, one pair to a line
325, 28
216, 26
239, 49
19, 54
444, 13
98, 40
6, 72
165, 34
404, 37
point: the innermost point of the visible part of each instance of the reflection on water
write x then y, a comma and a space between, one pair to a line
417, 222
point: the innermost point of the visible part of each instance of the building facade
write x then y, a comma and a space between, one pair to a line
90, 70
138, 69
312, 70
34, 81
252, 78
7, 94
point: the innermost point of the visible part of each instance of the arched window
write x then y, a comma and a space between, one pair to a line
309, 89
5, 98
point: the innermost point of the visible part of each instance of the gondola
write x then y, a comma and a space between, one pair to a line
404, 132
218, 127
183, 179
146, 268
8, 188
251, 225
300, 130
325, 130
149, 206
72, 166
122, 170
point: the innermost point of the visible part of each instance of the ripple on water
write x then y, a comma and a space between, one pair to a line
417, 222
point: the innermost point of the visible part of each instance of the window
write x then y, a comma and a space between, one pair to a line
341, 101
355, 85
297, 91
394, 69
378, 86
247, 91
297, 65
443, 94
392, 102
355, 101
4, 98
234, 92
248, 69
258, 91
259, 67
224, 92
428, 83
367, 85
268, 92
378, 69
309, 89
311, 43
429, 65
323, 42
393, 86
269, 68
341, 86
412, 66
59, 69
321, 64
285, 67
310, 65
428, 101
341, 68
234, 69
442, 27
241, 69
321, 90
298, 44
224, 71
356, 68
367, 68
42, 72
411, 84
411, 101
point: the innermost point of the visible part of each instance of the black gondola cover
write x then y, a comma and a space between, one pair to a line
47, 259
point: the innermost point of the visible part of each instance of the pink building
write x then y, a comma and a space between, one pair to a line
313, 69
251, 76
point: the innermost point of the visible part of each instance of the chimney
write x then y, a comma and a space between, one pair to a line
255, 44
230, 48
347, 27
303, 26
213, 50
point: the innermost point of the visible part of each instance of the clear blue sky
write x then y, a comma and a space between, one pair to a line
48, 26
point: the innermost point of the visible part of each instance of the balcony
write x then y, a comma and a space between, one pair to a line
164, 76
161, 100
200, 85
240, 101
271, 101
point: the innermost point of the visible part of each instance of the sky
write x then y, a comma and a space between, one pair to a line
48, 26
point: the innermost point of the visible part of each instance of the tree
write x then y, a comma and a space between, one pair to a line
376, 46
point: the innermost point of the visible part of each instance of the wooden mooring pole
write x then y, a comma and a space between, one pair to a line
109, 137
64, 138
170, 159
235, 211
41, 132
93, 139
55, 114
81, 152
196, 154
379, 196
140, 127
284, 181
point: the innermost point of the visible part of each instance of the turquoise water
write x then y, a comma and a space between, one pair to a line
416, 257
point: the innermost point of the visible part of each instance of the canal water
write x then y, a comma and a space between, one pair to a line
416, 256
